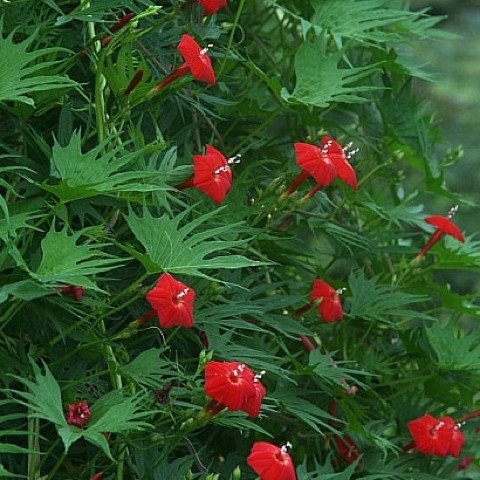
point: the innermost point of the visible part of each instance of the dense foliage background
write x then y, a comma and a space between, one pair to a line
93, 210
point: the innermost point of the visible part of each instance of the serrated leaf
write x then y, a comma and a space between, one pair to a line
43, 396
98, 171
148, 368
320, 81
454, 352
20, 69
177, 248
379, 302
63, 261
363, 21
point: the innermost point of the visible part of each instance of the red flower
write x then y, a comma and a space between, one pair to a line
339, 157
233, 385
254, 403
444, 226
172, 301
211, 6
330, 308
97, 476
78, 413
436, 437
313, 162
211, 174
271, 462
196, 61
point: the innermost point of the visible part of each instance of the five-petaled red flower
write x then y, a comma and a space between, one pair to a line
444, 227
212, 174
330, 307
436, 436
233, 385
338, 156
271, 462
315, 162
172, 301
211, 6
78, 413
196, 61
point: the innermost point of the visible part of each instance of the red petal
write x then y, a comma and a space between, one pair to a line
331, 309
254, 403
446, 226
321, 289
197, 59
270, 462
229, 383
336, 155
311, 159
212, 6
173, 302
212, 174
456, 443
430, 435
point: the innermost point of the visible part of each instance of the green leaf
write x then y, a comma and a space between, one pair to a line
22, 72
43, 396
380, 302
454, 352
364, 21
63, 261
148, 368
320, 81
177, 248
24, 290
98, 171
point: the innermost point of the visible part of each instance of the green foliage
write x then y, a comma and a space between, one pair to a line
24, 72
97, 200
176, 248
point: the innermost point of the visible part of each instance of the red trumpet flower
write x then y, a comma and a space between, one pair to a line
444, 227
233, 385
323, 164
436, 436
271, 462
172, 302
196, 61
211, 174
330, 307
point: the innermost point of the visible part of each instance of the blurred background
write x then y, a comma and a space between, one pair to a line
455, 95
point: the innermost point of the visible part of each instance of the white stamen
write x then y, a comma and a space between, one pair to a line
339, 291
351, 153
224, 168
285, 447
203, 51
452, 212
182, 293
234, 159
258, 376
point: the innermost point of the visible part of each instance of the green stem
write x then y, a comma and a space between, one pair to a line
236, 21
33, 460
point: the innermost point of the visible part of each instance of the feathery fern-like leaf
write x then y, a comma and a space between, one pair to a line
21, 70
320, 81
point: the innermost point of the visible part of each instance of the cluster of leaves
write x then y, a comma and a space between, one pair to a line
88, 199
